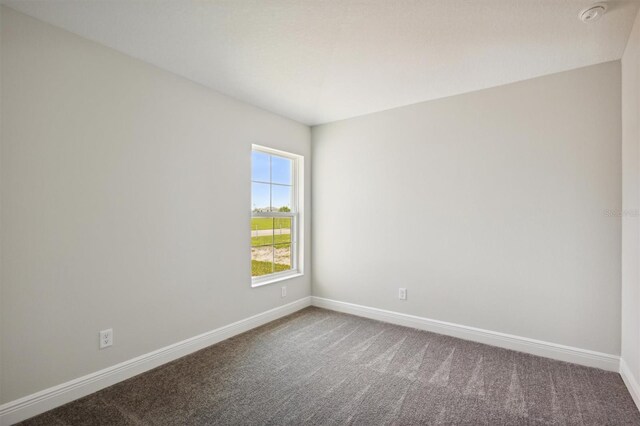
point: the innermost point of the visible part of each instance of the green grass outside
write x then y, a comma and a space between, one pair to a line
261, 223
268, 223
265, 240
263, 268
265, 223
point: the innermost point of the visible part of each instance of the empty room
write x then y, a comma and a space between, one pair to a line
319, 212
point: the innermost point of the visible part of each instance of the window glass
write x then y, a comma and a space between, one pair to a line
260, 167
273, 214
260, 197
280, 198
281, 170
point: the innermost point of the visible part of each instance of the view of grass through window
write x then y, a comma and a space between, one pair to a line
272, 221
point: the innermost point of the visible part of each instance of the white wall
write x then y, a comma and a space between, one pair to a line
1, 375
121, 186
630, 202
489, 207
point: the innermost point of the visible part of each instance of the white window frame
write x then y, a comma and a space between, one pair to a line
296, 215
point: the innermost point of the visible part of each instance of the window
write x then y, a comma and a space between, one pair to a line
276, 178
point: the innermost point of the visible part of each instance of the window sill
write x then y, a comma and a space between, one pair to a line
275, 278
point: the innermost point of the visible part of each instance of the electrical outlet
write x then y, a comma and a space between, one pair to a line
283, 291
402, 293
106, 338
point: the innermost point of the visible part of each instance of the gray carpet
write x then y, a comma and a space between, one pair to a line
321, 367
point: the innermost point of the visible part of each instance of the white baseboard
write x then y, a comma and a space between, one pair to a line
494, 338
39, 402
632, 383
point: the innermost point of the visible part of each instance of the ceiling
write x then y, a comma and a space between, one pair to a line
317, 61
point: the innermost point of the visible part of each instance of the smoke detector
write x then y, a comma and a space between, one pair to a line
592, 13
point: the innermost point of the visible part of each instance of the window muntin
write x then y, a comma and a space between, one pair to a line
274, 215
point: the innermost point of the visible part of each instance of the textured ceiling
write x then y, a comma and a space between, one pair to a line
318, 61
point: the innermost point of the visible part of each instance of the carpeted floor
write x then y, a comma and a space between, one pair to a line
321, 367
